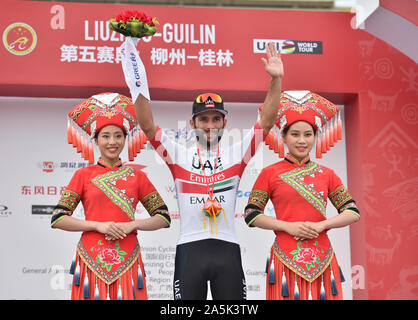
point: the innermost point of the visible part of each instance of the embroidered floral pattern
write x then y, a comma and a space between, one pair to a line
69, 199
107, 263
295, 178
108, 257
308, 255
258, 198
339, 197
107, 183
303, 256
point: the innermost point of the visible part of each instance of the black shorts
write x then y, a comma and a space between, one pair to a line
216, 261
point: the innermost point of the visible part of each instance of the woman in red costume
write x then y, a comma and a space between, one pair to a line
302, 263
108, 262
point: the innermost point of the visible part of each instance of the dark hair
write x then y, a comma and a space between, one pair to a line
285, 130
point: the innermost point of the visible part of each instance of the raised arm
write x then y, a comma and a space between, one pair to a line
144, 115
274, 67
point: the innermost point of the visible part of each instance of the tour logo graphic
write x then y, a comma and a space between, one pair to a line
19, 39
289, 46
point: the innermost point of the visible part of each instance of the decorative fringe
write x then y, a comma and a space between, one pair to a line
140, 276
77, 273
335, 129
341, 275
96, 291
91, 153
119, 289
137, 141
72, 267
134, 144
267, 265
79, 144
74, 136
324, 142
281, 146
318, 147
69, 132
285, 291
276, 142
331, 133
322, 294
309, 291
340, 127
333, 285
86, 289
296, 294
133, 283
130, 149
271, 140
84, 145
226, 221
267, 140
327, 137
271, 277
328, 134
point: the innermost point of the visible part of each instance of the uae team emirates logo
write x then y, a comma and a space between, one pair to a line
19, 38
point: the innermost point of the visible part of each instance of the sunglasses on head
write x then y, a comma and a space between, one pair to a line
201, 98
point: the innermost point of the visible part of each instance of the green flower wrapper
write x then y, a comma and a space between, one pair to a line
135, 29
133, 24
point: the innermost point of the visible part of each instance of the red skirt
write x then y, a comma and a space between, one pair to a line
284, 284
129, 286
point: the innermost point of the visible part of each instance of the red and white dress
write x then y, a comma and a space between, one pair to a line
299, 192
109, 269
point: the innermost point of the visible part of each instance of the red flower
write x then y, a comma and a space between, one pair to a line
109, 256
306, 255
133, 15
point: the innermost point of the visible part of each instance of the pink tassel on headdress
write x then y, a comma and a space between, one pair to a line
331, 133
340, 127
134, 144
327, 136
83, 147
323, 142
69, 132
74, 136
86, 148
281, 147
318, 147
138, 141
130, 149
144, 139
276, 142
271, 141
91, 153
79, 143
335, 128
267, 139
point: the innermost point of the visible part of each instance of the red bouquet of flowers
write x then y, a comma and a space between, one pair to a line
134, 24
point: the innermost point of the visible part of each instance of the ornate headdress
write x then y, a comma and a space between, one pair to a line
98, 111
307, 106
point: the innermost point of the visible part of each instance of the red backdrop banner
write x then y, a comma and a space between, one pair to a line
66, 50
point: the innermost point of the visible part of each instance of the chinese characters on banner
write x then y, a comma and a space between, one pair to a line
186, 35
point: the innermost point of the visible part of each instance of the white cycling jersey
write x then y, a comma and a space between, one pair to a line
191, 182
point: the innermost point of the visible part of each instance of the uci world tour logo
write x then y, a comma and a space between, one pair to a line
19, 38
